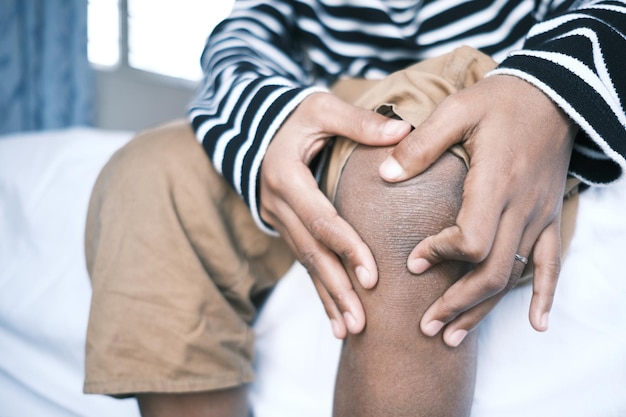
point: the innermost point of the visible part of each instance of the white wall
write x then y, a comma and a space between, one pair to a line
129, 99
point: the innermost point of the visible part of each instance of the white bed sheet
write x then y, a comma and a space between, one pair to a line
577, 368
45, 182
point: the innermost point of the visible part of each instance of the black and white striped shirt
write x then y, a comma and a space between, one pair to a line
263, 60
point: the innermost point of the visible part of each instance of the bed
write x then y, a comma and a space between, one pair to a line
577, 368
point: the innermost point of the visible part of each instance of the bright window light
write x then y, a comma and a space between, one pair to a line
164, 36
103, 32
167, 37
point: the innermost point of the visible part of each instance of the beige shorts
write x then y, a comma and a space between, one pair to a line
178, 265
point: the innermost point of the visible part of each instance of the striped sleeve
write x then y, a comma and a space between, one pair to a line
578, 59
253, 81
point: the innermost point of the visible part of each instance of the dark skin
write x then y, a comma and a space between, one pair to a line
500, 214
391, 367
508, 127
230, 402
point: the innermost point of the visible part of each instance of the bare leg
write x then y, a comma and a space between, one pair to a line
392, 368
223, 403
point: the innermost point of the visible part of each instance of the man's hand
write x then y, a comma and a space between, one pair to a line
520, 144
293, 204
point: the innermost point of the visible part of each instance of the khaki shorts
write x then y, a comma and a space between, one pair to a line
176, 261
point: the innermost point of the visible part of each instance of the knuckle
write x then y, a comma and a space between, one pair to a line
542, 214
458, 244
472, 247
449, 307
310, 259
323, 226
555, 265
347, 254
317, 100
473, 319
452, 104
552, 268
413, 148
496, 282
271, 180
340, 299
543, 292
314, 107
362, 123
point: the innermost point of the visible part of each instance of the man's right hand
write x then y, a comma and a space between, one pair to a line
293, 204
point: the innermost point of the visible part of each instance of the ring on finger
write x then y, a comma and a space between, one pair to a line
521, 258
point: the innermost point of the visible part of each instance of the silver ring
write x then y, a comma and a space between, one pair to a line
521, 258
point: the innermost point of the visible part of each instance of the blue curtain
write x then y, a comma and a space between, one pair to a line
45, 78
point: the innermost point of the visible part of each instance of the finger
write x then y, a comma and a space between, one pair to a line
456, 331
547, 264
325, 268
330, 307
339, 118
325, 225
472, 237
424, 145
489, 278
337, 322
547, 247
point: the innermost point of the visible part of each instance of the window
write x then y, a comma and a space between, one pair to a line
103, 32
159, 36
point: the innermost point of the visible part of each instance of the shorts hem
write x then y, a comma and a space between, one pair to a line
124, 389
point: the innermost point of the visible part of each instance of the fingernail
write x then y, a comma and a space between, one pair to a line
545, 320
390, 169
418, 266
456, 338
364, 276
393, 127
336, 327
432, 328
350, 320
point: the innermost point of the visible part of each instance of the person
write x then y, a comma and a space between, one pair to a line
265, 117
265, 60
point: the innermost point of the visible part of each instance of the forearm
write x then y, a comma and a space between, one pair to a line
576, 58
253, 81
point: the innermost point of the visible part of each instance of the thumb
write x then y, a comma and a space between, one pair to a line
339, 118
422, 147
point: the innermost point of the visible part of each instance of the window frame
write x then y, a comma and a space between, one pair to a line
123, 66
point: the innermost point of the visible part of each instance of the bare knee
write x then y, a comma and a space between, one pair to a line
391, 367
393, 218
